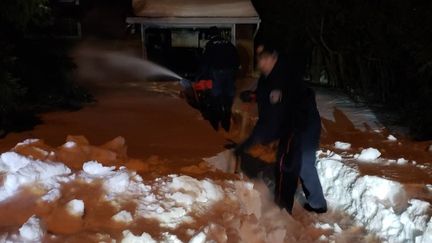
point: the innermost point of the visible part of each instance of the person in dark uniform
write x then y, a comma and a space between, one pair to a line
287, 113
220, 63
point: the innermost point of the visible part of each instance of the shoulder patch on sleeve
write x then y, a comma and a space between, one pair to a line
275, 96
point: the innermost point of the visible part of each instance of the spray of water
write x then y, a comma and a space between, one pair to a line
111, 68
140, 67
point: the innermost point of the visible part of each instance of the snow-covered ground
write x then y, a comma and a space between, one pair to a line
105, 203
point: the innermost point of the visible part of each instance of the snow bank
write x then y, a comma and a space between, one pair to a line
379, 204
170, 200
368, 155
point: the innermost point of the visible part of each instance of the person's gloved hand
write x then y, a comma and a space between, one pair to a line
247, 96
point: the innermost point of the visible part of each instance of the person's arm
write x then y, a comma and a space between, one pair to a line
270, 127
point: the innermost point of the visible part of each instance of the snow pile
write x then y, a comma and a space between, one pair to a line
342, 145
19, 171
170, 200
118, 184
368, 155
379, 204
173, 201
391, 138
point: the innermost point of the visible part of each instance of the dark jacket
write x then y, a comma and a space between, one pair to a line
284, 102
220, 54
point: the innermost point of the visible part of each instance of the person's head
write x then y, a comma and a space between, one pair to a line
267, 58
214, 32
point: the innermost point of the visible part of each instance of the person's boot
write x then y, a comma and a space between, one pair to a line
214, 123
309, 208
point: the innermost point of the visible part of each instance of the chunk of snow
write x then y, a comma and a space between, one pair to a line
70, 144
249, 198
52, 195
204, 191
27, 142
323, 238
391, 138
199, 238
335, 156
323, 226
169, 238
429, 187
427, 236
123, 217
170, 217
95, 168
32, 230
337, 228
75, 207
402, 161
128, 237
342, 145
12, 161
369, 154
415, 218
21, 171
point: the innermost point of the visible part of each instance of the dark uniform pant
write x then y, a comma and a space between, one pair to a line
296, 158
308, 172
288, 170
223, 92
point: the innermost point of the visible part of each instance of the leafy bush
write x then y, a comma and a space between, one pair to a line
35, 71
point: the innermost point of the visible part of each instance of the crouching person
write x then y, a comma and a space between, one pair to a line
287, 114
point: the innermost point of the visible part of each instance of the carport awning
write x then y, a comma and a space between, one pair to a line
194, 8
191, 22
